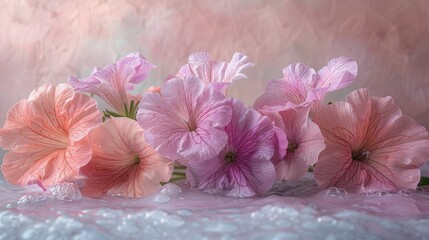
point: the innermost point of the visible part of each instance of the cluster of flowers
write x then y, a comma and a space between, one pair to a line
189, 128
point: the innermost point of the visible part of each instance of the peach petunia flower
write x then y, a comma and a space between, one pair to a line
370, 145
122, 162
47, 136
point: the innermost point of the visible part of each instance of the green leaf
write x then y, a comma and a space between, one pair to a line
423, 181
112, 114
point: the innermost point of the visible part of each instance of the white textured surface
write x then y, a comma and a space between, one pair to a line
293, 210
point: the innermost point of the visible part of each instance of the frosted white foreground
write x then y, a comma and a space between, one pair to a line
291, 210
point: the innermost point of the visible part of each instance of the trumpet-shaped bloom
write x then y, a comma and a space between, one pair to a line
186, 119
47, 136
370, 145
302, 84
304, 141
243, 167
217, 73
113, 81
122, 162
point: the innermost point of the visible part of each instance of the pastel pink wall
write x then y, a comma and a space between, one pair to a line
45, 41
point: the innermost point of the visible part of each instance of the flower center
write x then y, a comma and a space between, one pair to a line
360, 155
136, 159
230, 157
191, 125
291, 147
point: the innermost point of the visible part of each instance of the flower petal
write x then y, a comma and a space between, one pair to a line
202, 143
123, 163
339, 170
297, 81
219, 74
139, 64
243, 179
339, 73
292, 167
396, 133
280, 145
185, 119
339, 125
279, 93
300, 75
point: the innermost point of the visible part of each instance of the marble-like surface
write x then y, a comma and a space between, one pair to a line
45, 41
291, 210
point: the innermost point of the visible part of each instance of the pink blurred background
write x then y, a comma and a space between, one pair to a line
46, 41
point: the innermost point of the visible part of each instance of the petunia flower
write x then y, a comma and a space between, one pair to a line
185, 120
122, 162
301, 84
243, 167
47, 136
304, 141
113, 81
370, 145
217, 73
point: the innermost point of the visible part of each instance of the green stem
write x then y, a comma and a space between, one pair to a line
179, 173
179, 166
424, 181
130, 111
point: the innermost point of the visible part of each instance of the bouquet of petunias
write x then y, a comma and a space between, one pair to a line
188, 128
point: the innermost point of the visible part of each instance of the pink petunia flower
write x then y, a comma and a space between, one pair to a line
217, 73
370, 145
113, 81
302, 84
304, 141
186, 119
243, 167
122, 162
47, 136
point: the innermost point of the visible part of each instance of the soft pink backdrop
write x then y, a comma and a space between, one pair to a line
45, 41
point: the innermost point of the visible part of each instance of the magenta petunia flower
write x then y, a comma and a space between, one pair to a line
302, 84
370, 145
113, 81
47, 136
217, 73
122, 162
243, 167
304, 141
186, 119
